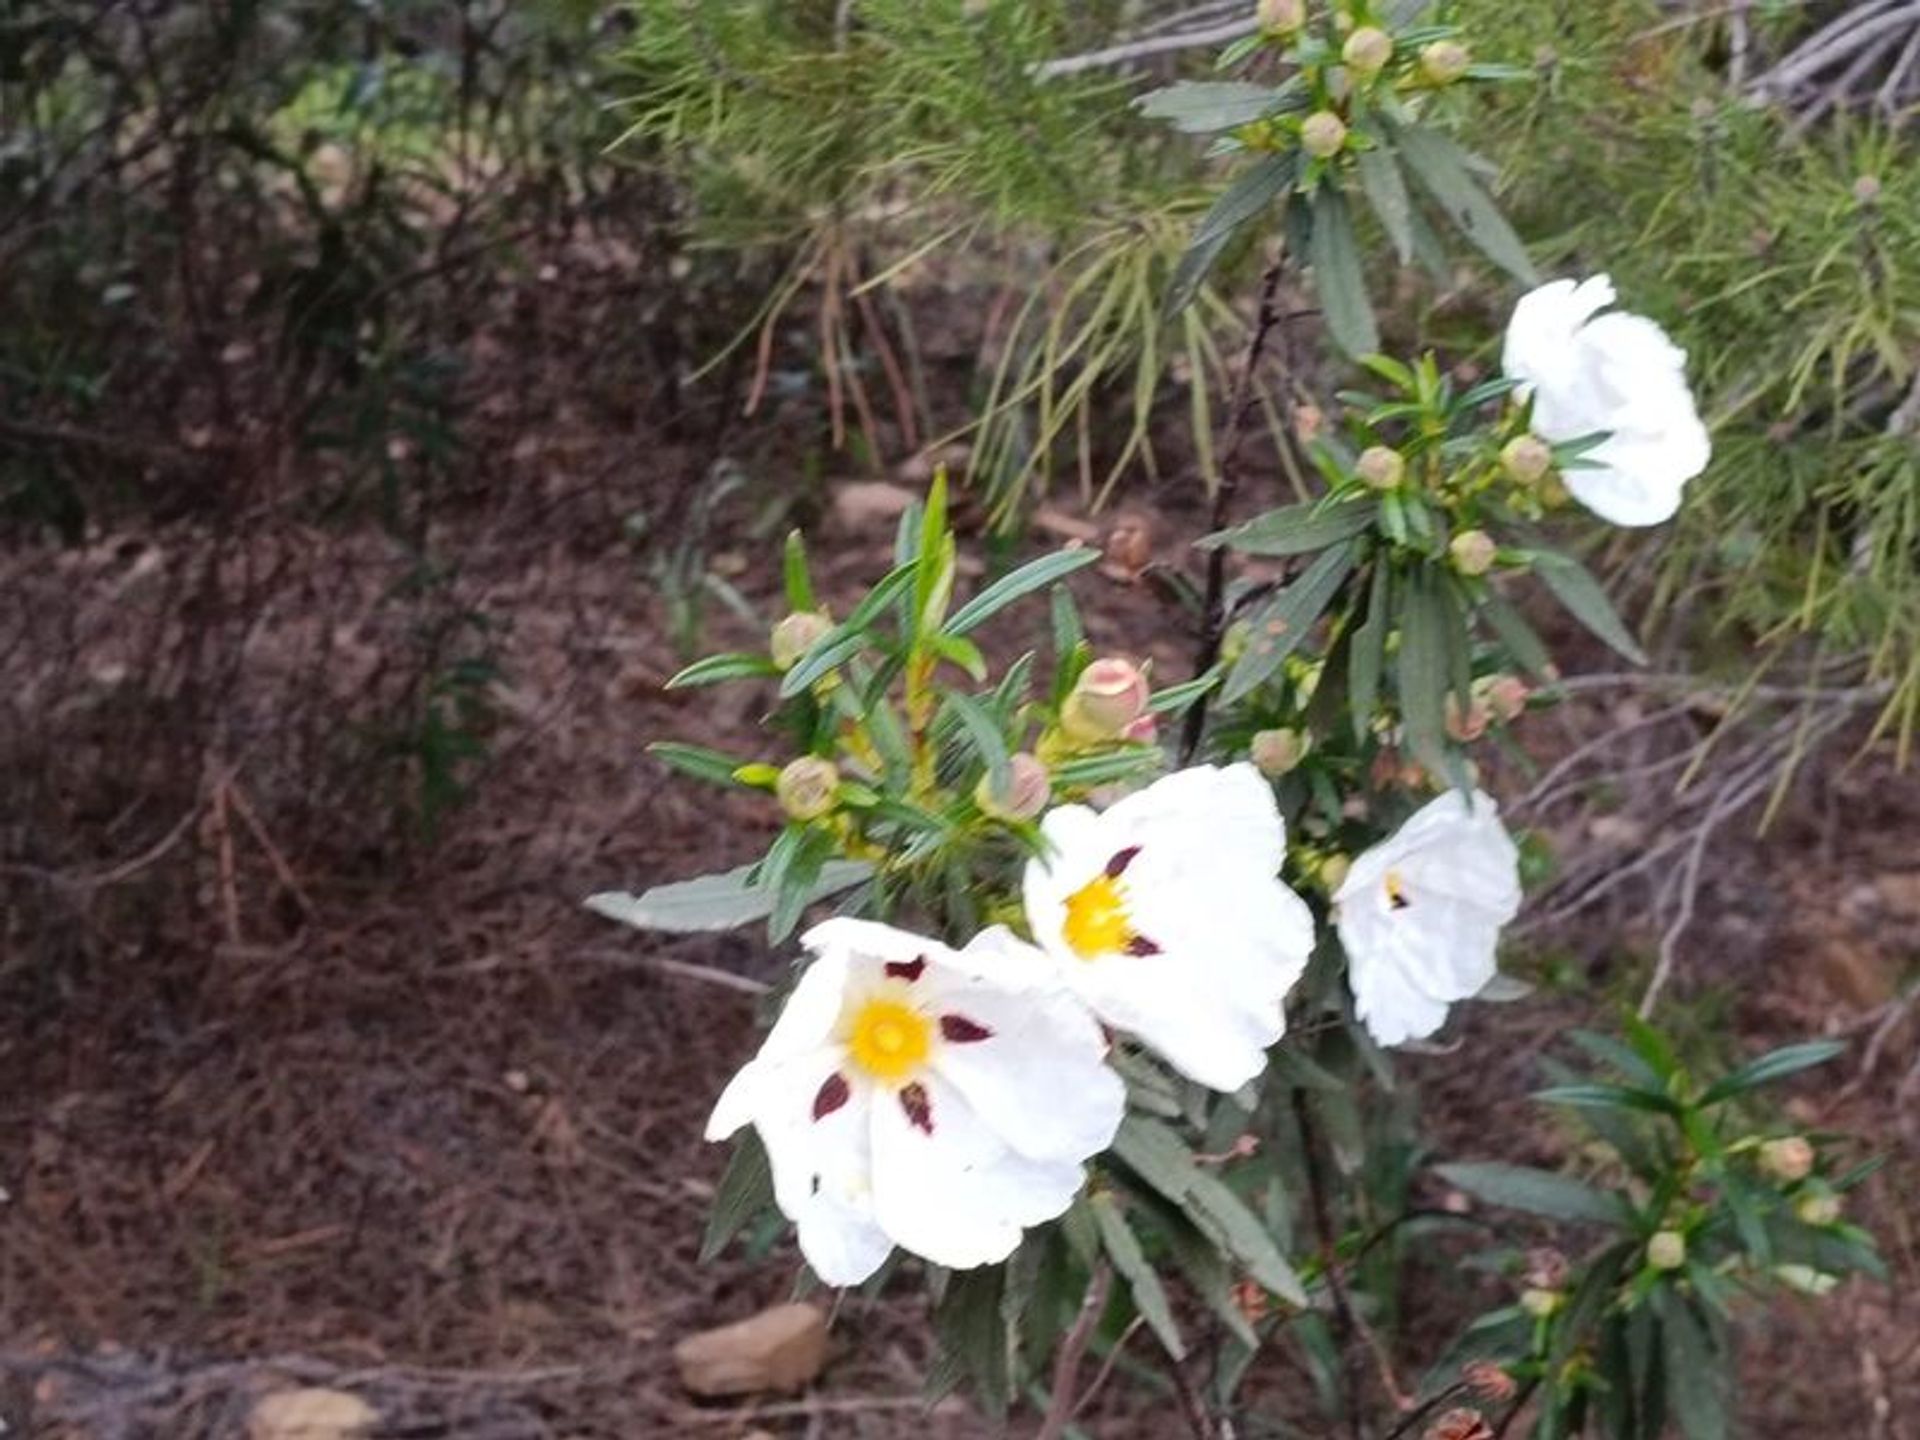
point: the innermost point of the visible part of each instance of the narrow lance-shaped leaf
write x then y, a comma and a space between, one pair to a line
1202, 107
745, 1189
1240, 203
715, 902
1296, 529
1282, 623
1583, 599
1364, 661
1034, 575
1444, 170
1149, 1296
1776, 1065
716, 668
1338, 277
1536, 1192
1422, 671
1386, 192
697, 761
983, 734
798, 581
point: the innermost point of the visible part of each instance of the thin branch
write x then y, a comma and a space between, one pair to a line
1142, 49
1345, 1322
1066, 1365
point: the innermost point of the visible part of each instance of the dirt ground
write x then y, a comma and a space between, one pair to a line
285, 1099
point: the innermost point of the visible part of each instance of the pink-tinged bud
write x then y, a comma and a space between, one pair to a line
1444, 62
1276, 752
1667, 1250
1505, 695
1108, 697
1322, 134
1488, 1381
1526, 458
1308, 421
1380, 467
1789, 1159
1023, 794
795, 635
807, 786
1469, 724
1143, 731
1547, 1268
1280, 17
1459, 1424
1473, 552
1367, 50
1819, 1208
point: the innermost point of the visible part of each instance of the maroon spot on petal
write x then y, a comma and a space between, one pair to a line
1117, 866
833, 1094
907, 970
962, 1031
913, 1100
1141, 945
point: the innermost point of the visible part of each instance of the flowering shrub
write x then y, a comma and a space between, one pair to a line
1101, 1010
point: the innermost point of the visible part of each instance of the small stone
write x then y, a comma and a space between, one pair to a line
869, 504
781, 1348
311, 1414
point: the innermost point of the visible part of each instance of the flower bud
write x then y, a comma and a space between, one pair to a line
1805, 1279
795, 635
1866, 190
1489, 1381
1023, 793
1789, 1159
1547, 1268
1473, 552
1505, 695
806, 787
1322, 134
1444, 62
1333, 872
1469, 724
1526, 458
1540, 1303
1459, 1424
1367, 50
1819, 1208
1667, 1250
1380, 467
1280, 17
1108, 697
1143, 730
1275, 752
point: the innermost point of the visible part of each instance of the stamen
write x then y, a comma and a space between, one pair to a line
919, 1108
1141, 945
1397, 891
907, 970
833, 1094
1117, 866
962, 1031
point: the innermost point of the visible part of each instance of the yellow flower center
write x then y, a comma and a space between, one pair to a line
889, 1040
1097, 921
1396, 890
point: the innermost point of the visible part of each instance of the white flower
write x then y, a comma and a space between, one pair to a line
1617, 373
910, 1094
1420, 914
1166, 914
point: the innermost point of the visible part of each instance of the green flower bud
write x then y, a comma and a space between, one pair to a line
1819, 1208
1541, 1303
1276, 752
806, 787
1473, 552
795, 635
1322, 134
1805, 1279
1380, 467
1280, 17
1789, 1159
1108, 697
1024, 793
1526, 458
1367, 50
1667, 1250
1333, 871
1444, 61
1505, 695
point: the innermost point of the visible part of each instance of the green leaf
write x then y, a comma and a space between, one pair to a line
745, 1189
1364, 661
716, 902
971, 1327
1338, 277
1422, 671
1696, 1375
1516, 634
1282, 623
1178, 697
1775, 1065
1092, 770
1203, 107
1157, 1155
828, 653
1536, 1192
697, 761
984, 735
1034, 575
1296, 529
1597, 1096
1386, 192
1238, 205
716, 668
933, 575
799, 582
962, 652
1443, 169
1580, 594
1149, 1296
1222, 1214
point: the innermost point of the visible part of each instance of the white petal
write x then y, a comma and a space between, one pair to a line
1228, 812
804, 1026
1039, 1078
958, 1196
